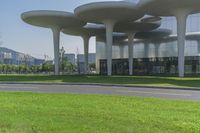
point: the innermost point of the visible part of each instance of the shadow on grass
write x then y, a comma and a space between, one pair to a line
130, 80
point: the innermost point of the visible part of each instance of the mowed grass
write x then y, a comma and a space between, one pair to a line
56, 113
122, 80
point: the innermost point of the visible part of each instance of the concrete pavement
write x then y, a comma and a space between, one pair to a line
108, 90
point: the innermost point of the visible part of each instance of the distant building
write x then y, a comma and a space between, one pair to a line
51, 62
38, 61
9, 56
70, 58
81, 61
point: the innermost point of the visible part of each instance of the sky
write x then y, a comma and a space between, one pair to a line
36, 41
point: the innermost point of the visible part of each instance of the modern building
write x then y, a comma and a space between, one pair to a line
162, 39
71, 58
146, 62
81, 61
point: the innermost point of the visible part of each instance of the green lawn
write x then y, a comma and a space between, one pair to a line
57, 113
123, 80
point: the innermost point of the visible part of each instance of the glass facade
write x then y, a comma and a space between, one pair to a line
153, 66
153, 57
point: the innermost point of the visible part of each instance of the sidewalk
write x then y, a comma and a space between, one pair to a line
104, 84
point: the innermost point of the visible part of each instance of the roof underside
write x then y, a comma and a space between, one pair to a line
169, 7
51, 18
102, 11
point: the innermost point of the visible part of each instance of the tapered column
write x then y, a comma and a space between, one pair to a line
146, 49
109, 42
130, 52
198, 46
86, 49
157, 47
56, 40
181, 17
121, 50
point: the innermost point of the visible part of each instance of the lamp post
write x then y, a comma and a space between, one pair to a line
62, 53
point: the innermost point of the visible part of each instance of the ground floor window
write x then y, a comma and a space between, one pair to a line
151, 66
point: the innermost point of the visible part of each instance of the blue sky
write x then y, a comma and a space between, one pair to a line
36, 41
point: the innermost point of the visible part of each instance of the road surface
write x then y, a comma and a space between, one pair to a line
108, 90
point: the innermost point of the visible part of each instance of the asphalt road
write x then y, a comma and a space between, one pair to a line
108, 90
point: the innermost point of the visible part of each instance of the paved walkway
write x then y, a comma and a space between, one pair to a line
108, 90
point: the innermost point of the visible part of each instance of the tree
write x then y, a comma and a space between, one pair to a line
46, 67
1, 68
68, 67
92, 66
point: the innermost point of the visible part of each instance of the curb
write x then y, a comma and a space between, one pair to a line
102, 84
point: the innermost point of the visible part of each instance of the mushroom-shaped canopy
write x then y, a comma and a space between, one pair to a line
150, 19
109, 10
193, 36
169, 7
178, 8
87, 30
156, 34
49, 19
138, 26
117, 37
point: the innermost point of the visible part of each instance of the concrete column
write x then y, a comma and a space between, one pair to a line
198, 46
121, 49
130, 52
181, 17
86, 49
146, 49
157, 47
109, 42
56, 40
